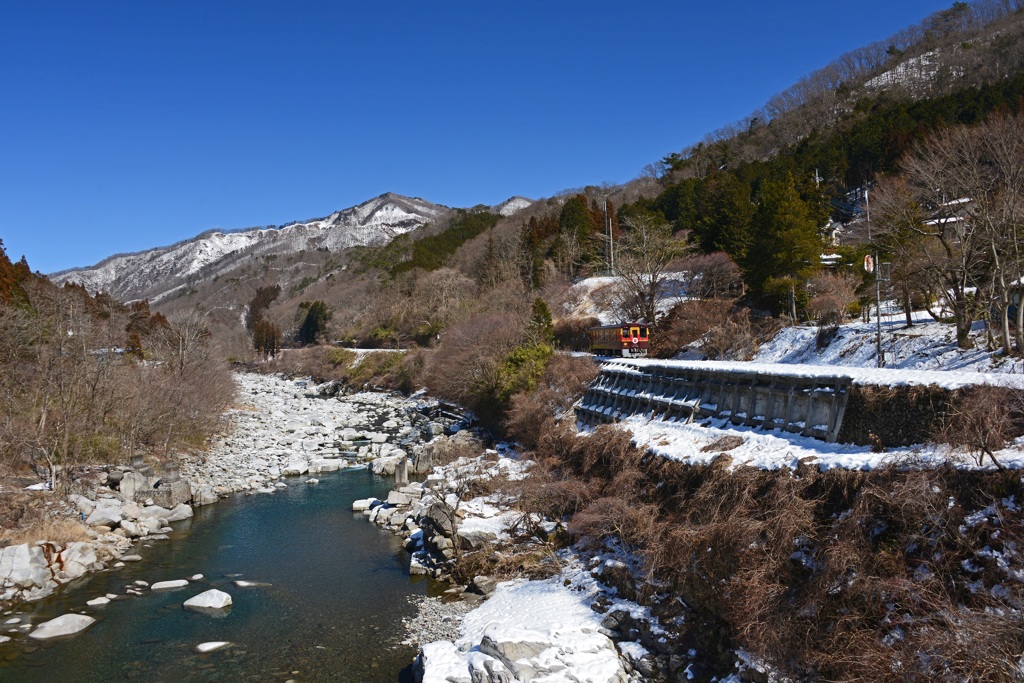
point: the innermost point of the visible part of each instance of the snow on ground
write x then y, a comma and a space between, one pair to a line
541, 631
775, 449
923, 354
927, 345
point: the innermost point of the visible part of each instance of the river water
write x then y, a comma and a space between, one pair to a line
339, 590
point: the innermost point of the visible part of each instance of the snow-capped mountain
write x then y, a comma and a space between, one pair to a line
512, 205
155, 273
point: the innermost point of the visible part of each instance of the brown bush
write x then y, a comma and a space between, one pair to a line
686, 324
532, 414
837, 575
571, 333
982, 419
465, 367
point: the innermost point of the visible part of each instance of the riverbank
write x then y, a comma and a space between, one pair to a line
556, 618
278, 429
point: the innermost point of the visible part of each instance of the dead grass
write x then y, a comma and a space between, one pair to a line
834, 576
25, 518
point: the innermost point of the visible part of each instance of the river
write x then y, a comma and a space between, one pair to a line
333, 612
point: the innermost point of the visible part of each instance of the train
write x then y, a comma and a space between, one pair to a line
630, 340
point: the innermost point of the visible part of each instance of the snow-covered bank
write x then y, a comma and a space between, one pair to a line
921, 356
927, 346
562, 628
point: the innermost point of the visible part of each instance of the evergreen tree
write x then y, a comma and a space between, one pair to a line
786, 245
315, 321
540, 322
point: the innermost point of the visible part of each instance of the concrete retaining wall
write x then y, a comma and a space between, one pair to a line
811, 406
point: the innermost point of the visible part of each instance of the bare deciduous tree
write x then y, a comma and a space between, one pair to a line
645, 251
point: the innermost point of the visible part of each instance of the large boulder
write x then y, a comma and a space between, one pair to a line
75, 560
106, 513
24, 566
84, 505
211, 601
203, 495
440, 518
386, 466
64, 625
179, 512
296, 467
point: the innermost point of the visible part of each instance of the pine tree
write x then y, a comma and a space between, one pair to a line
786, 245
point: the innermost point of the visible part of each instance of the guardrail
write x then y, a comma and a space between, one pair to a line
811, 406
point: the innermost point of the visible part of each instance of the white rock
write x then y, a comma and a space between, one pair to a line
24, 566
212, 599
296, 467
251, 584
76, 559
196, 577
179, 512
106, 513
169, 585
154, 511
363, 504
4, 639
64, 625
83, 504
212, 646
98, 602
131, 529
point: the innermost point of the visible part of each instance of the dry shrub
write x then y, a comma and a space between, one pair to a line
982, 419
534, 561
686, 323
571, 333
717, 327
564, 382
615, 517
837, 575
546, 492
60, 530
712, 276
465, 367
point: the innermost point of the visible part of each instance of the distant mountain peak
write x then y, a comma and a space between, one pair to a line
157, 272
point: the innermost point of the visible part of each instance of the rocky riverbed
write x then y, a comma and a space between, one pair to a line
279, 428
566, 624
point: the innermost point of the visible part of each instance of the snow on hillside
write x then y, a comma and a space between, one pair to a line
512, 205
157, 272
927, 345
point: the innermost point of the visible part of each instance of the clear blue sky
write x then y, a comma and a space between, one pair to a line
131, 125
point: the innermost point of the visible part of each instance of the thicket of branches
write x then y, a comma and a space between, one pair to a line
85, 379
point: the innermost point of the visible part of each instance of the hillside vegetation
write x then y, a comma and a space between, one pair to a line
85, 379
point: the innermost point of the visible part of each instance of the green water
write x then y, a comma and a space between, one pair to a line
339, 589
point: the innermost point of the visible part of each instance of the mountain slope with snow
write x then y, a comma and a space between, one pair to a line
157, 272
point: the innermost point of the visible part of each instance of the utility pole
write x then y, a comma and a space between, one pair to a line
876, 266
611, 237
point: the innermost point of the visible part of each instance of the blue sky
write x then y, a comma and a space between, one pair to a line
131, 125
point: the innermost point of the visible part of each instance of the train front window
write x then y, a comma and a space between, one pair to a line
643, 332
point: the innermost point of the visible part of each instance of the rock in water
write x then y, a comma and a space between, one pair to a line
64, 625
212, 600
213, 645
170, 585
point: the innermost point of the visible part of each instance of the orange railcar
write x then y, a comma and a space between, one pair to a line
630, 340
